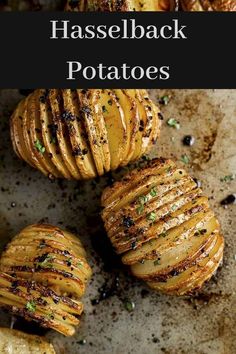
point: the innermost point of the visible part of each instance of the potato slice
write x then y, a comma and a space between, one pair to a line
35, 136
31, 148
94, 98
62, 136
89, 119
49, 134
80, 147
17, 342
115, 125
153, 123
131, 114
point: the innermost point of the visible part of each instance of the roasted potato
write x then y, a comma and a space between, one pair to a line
43, 273
38, 303
208, 5
17, 342
122, 5
50, 256
81, 134
163, 227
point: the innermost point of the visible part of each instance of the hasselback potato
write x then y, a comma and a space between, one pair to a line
38, 303
122, 5
81, 134
208, 5
17, 342
44, 262
160, 223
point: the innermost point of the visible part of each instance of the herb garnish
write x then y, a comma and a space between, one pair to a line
142, 200
152, 216
44, 261
228, 178
30, 306
39, 147
185, 159
153, 192
164, 100
172, 122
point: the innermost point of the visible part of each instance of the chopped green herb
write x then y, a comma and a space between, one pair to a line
30, 306
152, 216
143, 199
129, 305
185, 159
79, 264
172, 122
228, 178
39, 147
140, 209
164, 100
174, 207
45, 263
157, 262
153, 192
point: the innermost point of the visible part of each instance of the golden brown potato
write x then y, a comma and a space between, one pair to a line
52, 264
17, 342
38, 303
208, 5
122, 5
81, 134
159, 221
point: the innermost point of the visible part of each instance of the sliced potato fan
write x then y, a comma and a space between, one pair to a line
37, 303
125, 5
158, 220
82, 134
51, 262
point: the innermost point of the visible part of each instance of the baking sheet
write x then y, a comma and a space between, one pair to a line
203, 324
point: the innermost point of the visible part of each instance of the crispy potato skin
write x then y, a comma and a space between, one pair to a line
151, 5
163, 227
208, 5
17, 342
81, 134
122, 5
43, 273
